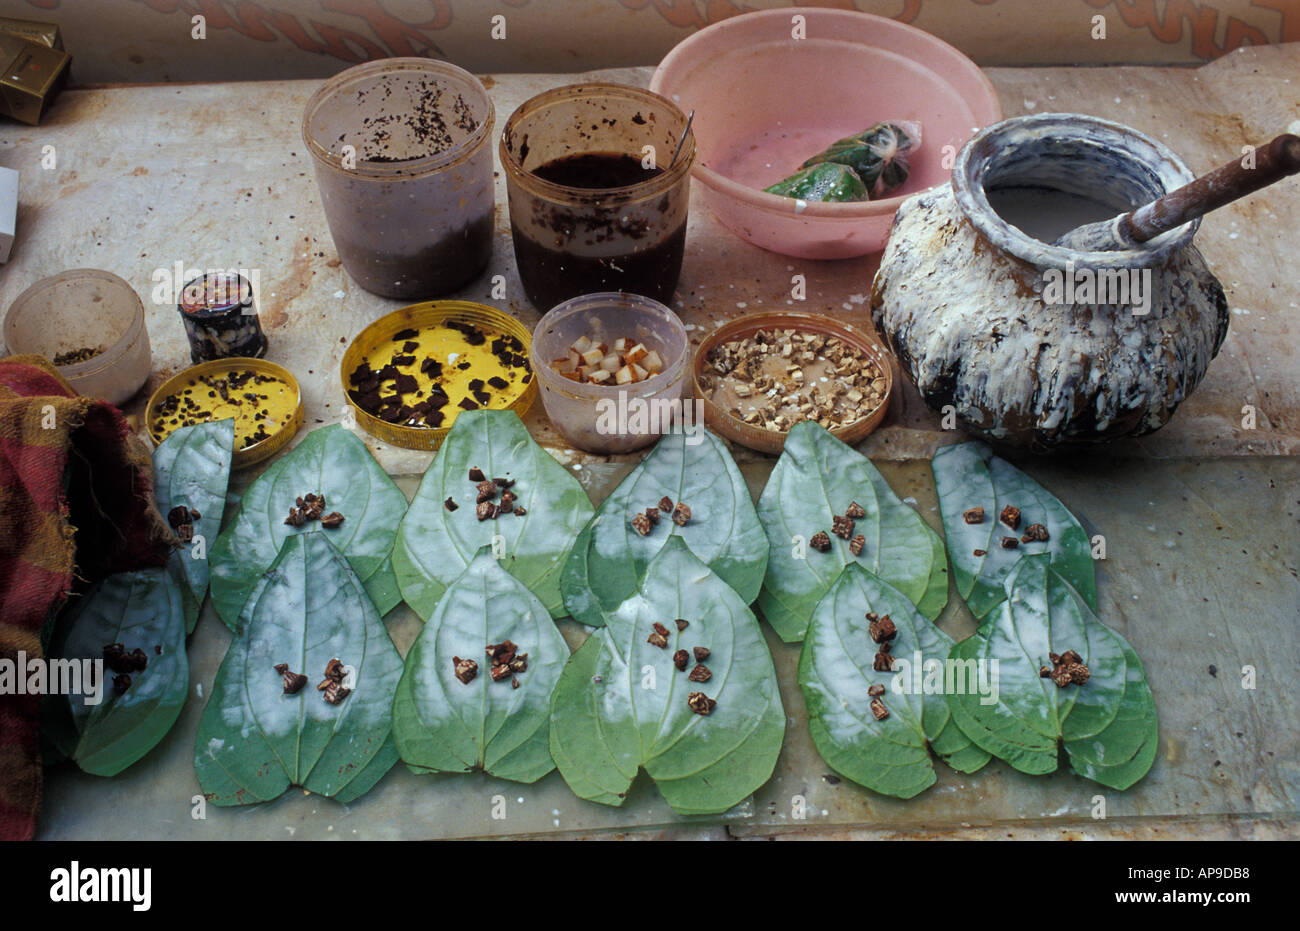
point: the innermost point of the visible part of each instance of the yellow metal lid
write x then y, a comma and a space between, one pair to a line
280, 432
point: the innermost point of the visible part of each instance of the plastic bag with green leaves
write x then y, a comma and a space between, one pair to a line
879, 155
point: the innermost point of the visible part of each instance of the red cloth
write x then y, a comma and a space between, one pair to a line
76, 501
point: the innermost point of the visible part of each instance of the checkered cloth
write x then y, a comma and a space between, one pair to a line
76, 502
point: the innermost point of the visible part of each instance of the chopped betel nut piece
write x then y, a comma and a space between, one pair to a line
700, 653
701, 703
681, 514
520, 511
514, 683
680, 659
502, 652
449, 504
657, 639
592, 361
641, 524
700, 673
486, 491
1010, 516
652, 515
486, 510
118, 660
1035, 533
331, 520
682, 623
293, 681
476, 475
820, 541
500, 672
882, 629
979, 552
660, 629
309, 507
855, 510
1067, 668
883, 662
666, 504
876, 690
842, 527
1010, 543
775, 378
465, 669
519, 663
857, 544
878, 709
335, 693
332, 685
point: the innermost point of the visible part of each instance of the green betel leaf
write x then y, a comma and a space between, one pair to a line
968, 476
817, 478
1108, 723
332, 462
890, 756
434, 544
254, 741
142, 611
621, 703
192, 469
443, 724
610, 558
827, 181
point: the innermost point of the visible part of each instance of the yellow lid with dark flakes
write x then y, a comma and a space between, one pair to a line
409, 374
261, 397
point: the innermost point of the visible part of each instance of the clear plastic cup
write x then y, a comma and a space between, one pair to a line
611, 419
572, 240
85, 309
405, 174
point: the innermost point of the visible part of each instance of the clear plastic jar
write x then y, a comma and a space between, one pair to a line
405, 174
90, 315
573, 239
610, 419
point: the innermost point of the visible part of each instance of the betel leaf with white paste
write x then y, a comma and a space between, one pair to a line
817, 478
332, 462
1107, 724
967, 476
435, 544
141, 610
255, 741
443, 724
889, 756
192, 469
610, 557
621, 703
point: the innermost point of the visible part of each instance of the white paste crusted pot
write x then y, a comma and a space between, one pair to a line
1002, 326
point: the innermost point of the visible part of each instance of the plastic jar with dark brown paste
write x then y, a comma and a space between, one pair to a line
597, 200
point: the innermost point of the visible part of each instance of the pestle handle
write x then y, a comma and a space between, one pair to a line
1273, 162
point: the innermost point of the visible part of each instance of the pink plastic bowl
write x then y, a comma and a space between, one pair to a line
765, 101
